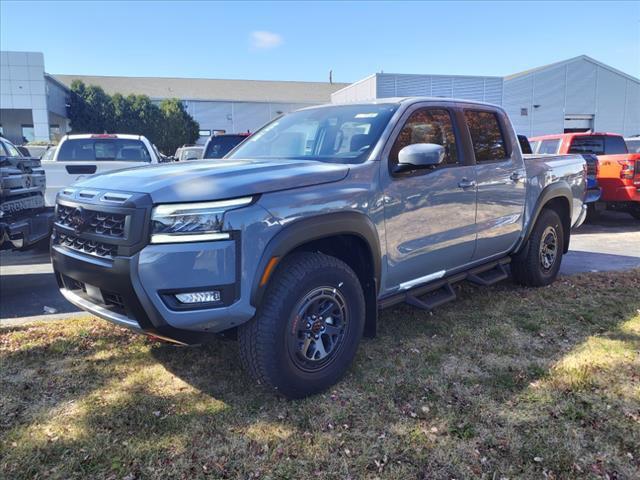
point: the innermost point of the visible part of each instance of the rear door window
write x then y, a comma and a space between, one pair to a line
488, 141
549, 146
91, 149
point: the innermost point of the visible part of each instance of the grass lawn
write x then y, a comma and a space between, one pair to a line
506, 382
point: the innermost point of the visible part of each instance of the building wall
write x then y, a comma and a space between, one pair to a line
541, 101
387, 85
22, 87
236, 117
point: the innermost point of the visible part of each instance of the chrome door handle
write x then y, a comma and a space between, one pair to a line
465, 184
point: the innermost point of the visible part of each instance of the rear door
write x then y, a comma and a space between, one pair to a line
501, 178
429, 213
79, 158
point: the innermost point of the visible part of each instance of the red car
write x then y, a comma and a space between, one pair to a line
618, 170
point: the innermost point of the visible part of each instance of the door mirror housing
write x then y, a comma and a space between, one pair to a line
419, 156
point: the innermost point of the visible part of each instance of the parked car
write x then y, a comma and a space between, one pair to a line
189, 153
218, 146
79, 156
24, 222
593, 189
633, 144
316, 221
618, 171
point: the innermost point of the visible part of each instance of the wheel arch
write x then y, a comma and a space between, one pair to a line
557, 197
348, 236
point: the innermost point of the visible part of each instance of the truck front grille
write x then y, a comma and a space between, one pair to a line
83, 245
99, 223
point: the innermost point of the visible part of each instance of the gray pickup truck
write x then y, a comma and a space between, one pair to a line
24, 221
300, 235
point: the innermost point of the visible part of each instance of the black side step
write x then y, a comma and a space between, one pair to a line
484, 278
441, 291
433, 299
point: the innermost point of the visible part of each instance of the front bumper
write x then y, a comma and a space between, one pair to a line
136, 292
23, 232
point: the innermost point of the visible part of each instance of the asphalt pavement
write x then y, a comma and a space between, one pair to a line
28, 289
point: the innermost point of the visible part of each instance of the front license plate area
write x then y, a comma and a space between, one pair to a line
95, 293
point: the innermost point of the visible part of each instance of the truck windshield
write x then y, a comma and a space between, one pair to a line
219, 146
340, 134
91, 149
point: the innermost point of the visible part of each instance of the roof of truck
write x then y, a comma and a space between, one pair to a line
557, 136
124, 136
400, 100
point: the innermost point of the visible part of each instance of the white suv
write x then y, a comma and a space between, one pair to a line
79, 156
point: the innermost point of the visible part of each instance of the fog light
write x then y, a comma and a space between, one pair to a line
199, 297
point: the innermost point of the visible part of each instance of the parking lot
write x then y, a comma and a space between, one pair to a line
30, 291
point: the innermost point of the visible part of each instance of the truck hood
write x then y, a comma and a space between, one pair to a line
205, 180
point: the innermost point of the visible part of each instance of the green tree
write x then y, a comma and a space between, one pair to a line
178, 127
167, 125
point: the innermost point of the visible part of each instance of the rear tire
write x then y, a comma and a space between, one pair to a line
634, 211
538, 263
305, 334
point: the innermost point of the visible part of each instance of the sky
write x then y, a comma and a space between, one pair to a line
304, 41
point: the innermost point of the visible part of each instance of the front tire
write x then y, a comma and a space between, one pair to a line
307, 330
538, 263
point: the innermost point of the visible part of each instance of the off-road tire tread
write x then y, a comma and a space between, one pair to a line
525, 265
256, 338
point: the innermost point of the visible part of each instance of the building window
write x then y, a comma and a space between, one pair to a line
54, 132
524, 112
205, 133
28, 134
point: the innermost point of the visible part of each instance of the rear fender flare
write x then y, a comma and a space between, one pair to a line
550, 192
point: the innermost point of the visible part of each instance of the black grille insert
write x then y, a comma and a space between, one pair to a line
99, 223
90, 247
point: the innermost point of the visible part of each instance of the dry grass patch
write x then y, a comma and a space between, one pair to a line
504, 383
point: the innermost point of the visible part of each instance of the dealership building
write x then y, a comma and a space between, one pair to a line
578, 94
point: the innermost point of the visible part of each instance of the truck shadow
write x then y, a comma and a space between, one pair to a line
482, 323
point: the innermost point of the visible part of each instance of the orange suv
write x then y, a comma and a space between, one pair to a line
618, 171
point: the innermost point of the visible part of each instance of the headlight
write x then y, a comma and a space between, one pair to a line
192, 222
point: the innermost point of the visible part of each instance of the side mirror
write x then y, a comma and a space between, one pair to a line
420, 155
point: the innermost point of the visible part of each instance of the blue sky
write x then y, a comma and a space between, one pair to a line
303, 41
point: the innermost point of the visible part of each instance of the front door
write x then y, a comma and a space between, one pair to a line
429, 213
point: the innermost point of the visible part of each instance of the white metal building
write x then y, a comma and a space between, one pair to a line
386, 85
232, 106
32, 104
578, 94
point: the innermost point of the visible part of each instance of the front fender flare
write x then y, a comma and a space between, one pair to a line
313, 228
